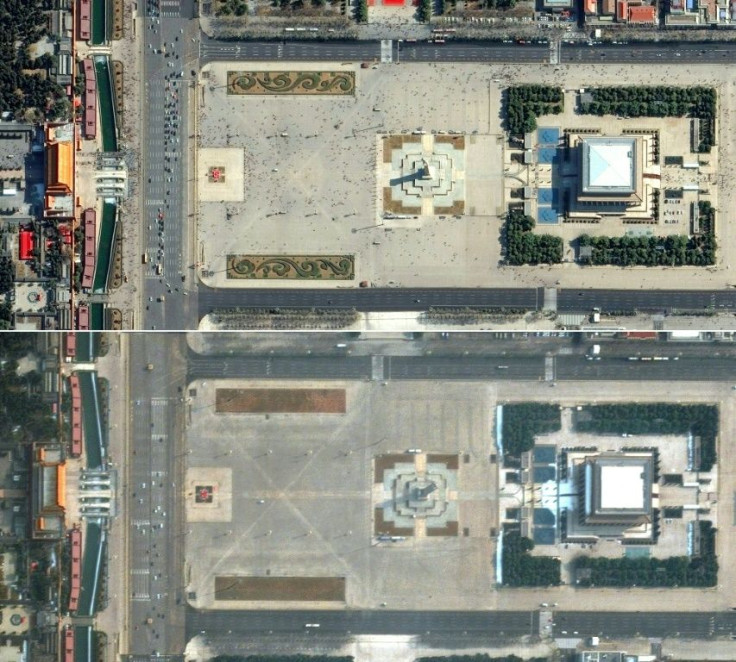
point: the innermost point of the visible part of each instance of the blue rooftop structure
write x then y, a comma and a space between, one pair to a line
547, 196
546, 215
546, 154
548, 135
544, 535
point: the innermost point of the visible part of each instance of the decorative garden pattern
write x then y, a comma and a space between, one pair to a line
294, 267
291, 82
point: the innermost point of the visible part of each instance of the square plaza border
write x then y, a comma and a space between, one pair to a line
303, 493
298, 495
298, 205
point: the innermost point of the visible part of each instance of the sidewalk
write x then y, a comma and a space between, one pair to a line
114, 619
128, 51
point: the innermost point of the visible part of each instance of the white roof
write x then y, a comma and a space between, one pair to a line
622, 487
610, 165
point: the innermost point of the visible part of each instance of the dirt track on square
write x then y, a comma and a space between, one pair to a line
280, 401
298, 589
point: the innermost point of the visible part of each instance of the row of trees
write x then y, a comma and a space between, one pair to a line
470, 315
673, 250
283, 658
361, 11
520, 568
656, 418
231, 8
683, 571
7, 274
481, 657
523, 246
424, 10
523, 421
524, 103
659, 101
285, 318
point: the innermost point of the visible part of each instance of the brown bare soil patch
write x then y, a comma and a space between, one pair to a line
457, 141
450, 529
383, 462
280, 401
380, 527
458, 207
394, 206
451, 461
287, 589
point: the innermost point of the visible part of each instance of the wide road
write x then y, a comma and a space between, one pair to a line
490, 624
533, 365
355, 51
696, 625
155, 576
650, 301
418, 299
170, 48
369, 299
466, 51
223, 630
668, 52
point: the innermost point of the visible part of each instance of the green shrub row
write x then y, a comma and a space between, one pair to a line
523, 421
524, 103
520, 568
656, 418
681, 571
658, 101
523, 246
673, 250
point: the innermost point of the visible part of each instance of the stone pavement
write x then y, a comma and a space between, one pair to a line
114, 619
128, 51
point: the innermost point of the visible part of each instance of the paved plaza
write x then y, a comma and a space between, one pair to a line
312, 175
316, 176
304, 494
296, 495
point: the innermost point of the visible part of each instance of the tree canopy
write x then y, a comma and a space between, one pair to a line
524, 103
523, 421
656, 418
523, 246
700, 570
520, 568
23, 23
658, 101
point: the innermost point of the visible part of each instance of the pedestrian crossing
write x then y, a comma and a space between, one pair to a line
169, 7
140, 579
387, 51
549, 368
159, 408
377, 368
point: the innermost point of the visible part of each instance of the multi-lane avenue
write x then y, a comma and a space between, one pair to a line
155, 574
418, 299
225, 631
465, 51
170, 52
633, 362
